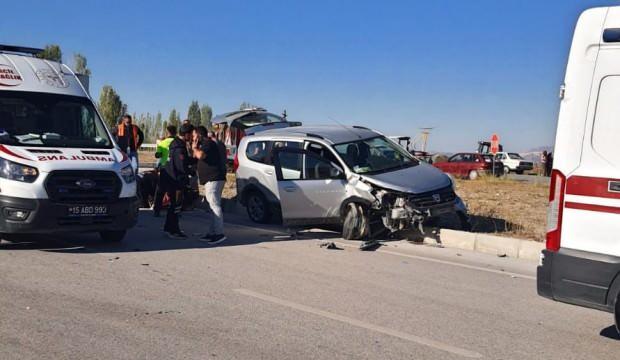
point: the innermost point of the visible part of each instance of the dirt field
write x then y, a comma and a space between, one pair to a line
506, 207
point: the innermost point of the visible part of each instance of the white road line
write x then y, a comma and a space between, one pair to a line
446, 262
417, 257
361, 324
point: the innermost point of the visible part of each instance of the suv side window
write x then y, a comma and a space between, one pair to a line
262, 151
297, 166
321, 151
259, 151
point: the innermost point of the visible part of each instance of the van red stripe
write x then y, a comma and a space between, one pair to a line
590, 207
590, 186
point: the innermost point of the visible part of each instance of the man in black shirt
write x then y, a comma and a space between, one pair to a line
174, 179
211, 168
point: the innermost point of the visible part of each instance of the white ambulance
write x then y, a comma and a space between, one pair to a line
60, 170
581, 263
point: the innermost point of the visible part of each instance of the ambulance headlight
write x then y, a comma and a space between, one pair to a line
127, 174
18, 172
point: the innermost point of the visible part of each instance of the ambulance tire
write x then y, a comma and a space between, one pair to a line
506, 170
113, 236
355, 222
473, 175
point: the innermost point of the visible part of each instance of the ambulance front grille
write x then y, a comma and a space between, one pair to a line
83, 187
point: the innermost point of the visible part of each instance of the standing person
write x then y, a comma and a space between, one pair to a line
129, 138
174, 179
212, 175
220, 146
162, 154
549, 164
543, 163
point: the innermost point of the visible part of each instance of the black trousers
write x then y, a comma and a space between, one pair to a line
174, 192
159, 195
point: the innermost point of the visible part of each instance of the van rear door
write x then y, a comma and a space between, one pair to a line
591, 215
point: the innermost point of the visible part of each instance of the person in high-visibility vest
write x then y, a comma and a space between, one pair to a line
129, 138
162, 154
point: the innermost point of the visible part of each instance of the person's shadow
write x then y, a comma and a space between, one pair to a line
610, 332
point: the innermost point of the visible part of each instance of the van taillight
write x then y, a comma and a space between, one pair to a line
555, 210
236, 162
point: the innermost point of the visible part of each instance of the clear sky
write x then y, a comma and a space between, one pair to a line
467, 68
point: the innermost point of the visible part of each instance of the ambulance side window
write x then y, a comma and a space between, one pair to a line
606, 129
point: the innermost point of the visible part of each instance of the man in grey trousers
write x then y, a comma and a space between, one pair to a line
211, 168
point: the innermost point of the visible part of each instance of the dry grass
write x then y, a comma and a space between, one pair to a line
506, 207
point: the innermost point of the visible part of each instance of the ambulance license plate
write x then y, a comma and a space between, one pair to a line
88, 210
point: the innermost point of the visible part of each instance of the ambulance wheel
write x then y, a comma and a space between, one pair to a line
113, 236
258, 208
473, 175
355, 222
506, 170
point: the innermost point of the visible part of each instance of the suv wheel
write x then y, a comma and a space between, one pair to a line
355, 223
113, 236
617, 314
473, 175
258, 207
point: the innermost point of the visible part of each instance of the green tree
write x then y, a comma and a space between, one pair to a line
110, 106
246, 105
81, 66
206, 114
174, 118
51, 52
159, 127
193, 113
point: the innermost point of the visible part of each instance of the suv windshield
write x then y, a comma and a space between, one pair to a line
374, 155
41, 119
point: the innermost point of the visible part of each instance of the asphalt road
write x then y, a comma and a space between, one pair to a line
262, 295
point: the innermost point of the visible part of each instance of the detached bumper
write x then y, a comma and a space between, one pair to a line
45, 216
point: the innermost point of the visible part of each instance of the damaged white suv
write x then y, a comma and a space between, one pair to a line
352, 176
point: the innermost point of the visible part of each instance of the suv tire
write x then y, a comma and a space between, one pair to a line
113, 236
617, 314
355, 222
257, 207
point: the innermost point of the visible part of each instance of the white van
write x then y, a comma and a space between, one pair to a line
60, 170
581, 263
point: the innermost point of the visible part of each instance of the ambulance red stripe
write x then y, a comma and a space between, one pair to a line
591, 186
5, 150
591, 207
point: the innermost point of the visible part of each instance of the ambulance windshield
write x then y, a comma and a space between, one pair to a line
50, 120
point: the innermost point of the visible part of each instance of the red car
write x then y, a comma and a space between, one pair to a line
470, 165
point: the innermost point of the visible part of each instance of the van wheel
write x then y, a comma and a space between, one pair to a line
257, 207
355, 223
473, 175
113, 236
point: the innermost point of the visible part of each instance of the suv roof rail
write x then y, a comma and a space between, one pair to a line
253, 109
20, 49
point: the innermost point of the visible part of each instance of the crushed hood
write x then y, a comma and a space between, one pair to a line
415, 180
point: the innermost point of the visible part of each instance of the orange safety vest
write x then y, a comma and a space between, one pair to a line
121, 133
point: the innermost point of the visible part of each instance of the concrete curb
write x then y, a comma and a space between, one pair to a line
489, 244
484, 243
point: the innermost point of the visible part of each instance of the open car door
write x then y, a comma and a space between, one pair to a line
311, 188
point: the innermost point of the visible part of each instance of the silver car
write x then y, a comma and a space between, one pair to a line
351, 176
